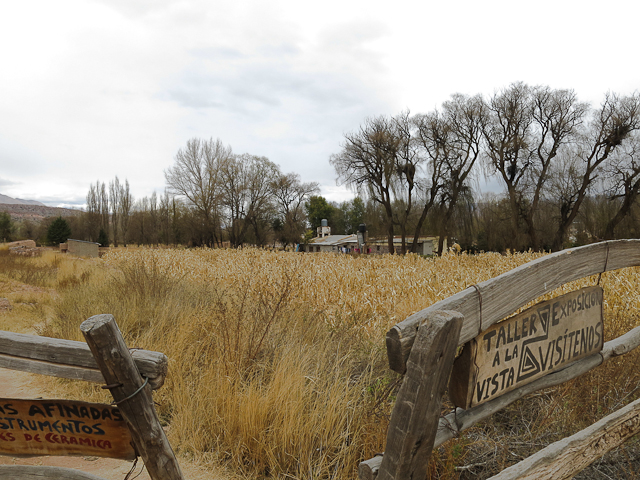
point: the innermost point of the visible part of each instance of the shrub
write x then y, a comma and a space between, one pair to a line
59, 231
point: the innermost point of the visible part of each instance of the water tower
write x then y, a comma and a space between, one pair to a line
324, 230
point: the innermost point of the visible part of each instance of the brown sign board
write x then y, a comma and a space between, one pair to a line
542, 339
63, 427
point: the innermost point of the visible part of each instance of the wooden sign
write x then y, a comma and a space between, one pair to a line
63, 427
540, 340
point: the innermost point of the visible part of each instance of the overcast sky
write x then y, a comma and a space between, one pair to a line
94, 89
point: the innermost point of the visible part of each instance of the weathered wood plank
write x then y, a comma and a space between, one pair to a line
50, 369
502, 295
563, 459
134, 399
414, 419
456, 422
38, 472
69, 359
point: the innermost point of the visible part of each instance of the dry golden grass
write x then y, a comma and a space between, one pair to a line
277, 360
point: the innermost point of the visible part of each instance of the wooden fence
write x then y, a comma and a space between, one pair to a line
423, 348
129, 376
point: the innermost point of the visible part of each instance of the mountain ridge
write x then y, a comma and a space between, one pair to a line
7, 200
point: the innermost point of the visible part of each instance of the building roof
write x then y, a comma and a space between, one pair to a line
398, 239
335, 240
80, 241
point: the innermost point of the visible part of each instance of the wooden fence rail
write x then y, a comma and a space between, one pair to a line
565, 458
491, 301
70, 359
482, 306
454, 423
129, 375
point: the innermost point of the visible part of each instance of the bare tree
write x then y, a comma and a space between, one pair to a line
393, 162
196, 176
140, 221
126, 204
103, 201
233, 198
557, 118
452, 139
507, 132
165, 231
247, 182
406, 187
368, 164
261, 178
153, 219
622, 181
114, 207
610, 126
290, 194
92, 216
526, 129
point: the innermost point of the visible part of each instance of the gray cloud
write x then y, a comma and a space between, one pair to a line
5, 183
268, 84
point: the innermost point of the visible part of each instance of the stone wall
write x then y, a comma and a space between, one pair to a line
23, 243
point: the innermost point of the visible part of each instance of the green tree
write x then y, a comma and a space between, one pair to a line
318, 209
103, 238
347, 216
355, 215
58, 231
6, 225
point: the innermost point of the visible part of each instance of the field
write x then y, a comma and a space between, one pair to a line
277, 360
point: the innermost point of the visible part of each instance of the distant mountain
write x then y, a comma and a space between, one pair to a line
30, 210
18, 201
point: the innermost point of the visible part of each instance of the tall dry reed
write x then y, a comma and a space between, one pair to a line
277, 360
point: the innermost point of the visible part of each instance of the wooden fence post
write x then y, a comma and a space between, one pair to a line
134, 398
414, 420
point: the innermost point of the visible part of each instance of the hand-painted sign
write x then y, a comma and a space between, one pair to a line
63, 427
540, 340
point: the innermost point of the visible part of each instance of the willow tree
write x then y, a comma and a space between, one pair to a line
610, 128
384, 161
367, 163
452, 139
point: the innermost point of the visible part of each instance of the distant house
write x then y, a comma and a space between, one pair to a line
325, 242
426, 245
333, 243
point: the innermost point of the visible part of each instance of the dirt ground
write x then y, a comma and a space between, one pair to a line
15, 384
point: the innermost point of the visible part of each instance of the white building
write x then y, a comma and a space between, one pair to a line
333, 243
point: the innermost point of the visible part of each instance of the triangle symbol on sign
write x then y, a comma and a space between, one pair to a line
529, 365
544, 314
